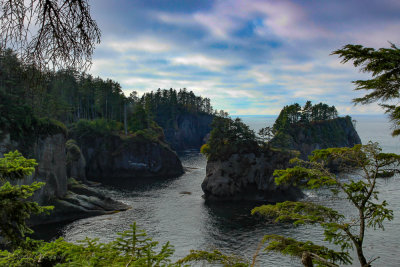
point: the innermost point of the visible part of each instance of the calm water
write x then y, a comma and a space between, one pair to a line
189, 223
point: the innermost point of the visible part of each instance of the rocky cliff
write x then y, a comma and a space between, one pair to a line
248, 177
49, 152
189, 132
70, 202
307, 137
114, 157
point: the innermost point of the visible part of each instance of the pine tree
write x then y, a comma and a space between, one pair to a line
366, 161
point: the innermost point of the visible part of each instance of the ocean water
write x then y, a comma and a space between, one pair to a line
189, 223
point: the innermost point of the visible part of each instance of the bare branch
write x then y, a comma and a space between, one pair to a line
49, 33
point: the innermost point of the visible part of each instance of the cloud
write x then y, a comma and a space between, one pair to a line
147, 44
200, 61
249, 57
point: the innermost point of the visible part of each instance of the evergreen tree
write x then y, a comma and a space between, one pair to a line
366, 161
15, 209
383, 64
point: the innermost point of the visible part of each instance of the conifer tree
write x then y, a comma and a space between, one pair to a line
367, 163
15, 209
383, 64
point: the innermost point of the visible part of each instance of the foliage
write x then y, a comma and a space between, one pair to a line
14, 207
47, 126
164, 106
228, 137
383, 64
153, 133
139, 119
132, 248
266, 134
89, 106
294, 113
99, 127
292, 247
73, 151
215, 257
367, 162
15, 166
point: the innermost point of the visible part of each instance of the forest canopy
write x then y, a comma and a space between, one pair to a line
294, 113
68, 96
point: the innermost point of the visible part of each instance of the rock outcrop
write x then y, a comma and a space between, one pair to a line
190, 131
117, 157
80, 201
306, 138
248, 177
49, 152
71, 201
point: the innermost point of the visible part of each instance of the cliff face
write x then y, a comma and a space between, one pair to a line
49, 151
110, 157
306, 138
248, 177
190, 132
71, 201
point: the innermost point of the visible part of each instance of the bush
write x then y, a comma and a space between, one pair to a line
47, 126
99, 127
73, 150
229, 137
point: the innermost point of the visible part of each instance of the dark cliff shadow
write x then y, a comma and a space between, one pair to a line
233, 214
137, 183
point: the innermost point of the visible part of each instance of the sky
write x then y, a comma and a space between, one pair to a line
250, 57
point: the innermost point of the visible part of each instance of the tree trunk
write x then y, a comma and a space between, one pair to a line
125, 124
306, 259
361, 257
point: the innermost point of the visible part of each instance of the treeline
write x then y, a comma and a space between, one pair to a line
294, 113
164, 105
70, 96
65, 95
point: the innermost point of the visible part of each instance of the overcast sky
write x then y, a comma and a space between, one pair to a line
248, 56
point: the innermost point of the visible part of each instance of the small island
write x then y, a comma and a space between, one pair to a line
240, 164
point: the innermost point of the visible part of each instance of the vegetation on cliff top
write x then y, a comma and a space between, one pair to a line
228, 137
294, 113
233, 136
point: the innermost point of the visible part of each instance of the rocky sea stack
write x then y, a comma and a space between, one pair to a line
248, 176
240, 165
307, 137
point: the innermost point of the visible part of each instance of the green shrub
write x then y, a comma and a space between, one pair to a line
73, 150
47, 126
132, 248
99, 127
